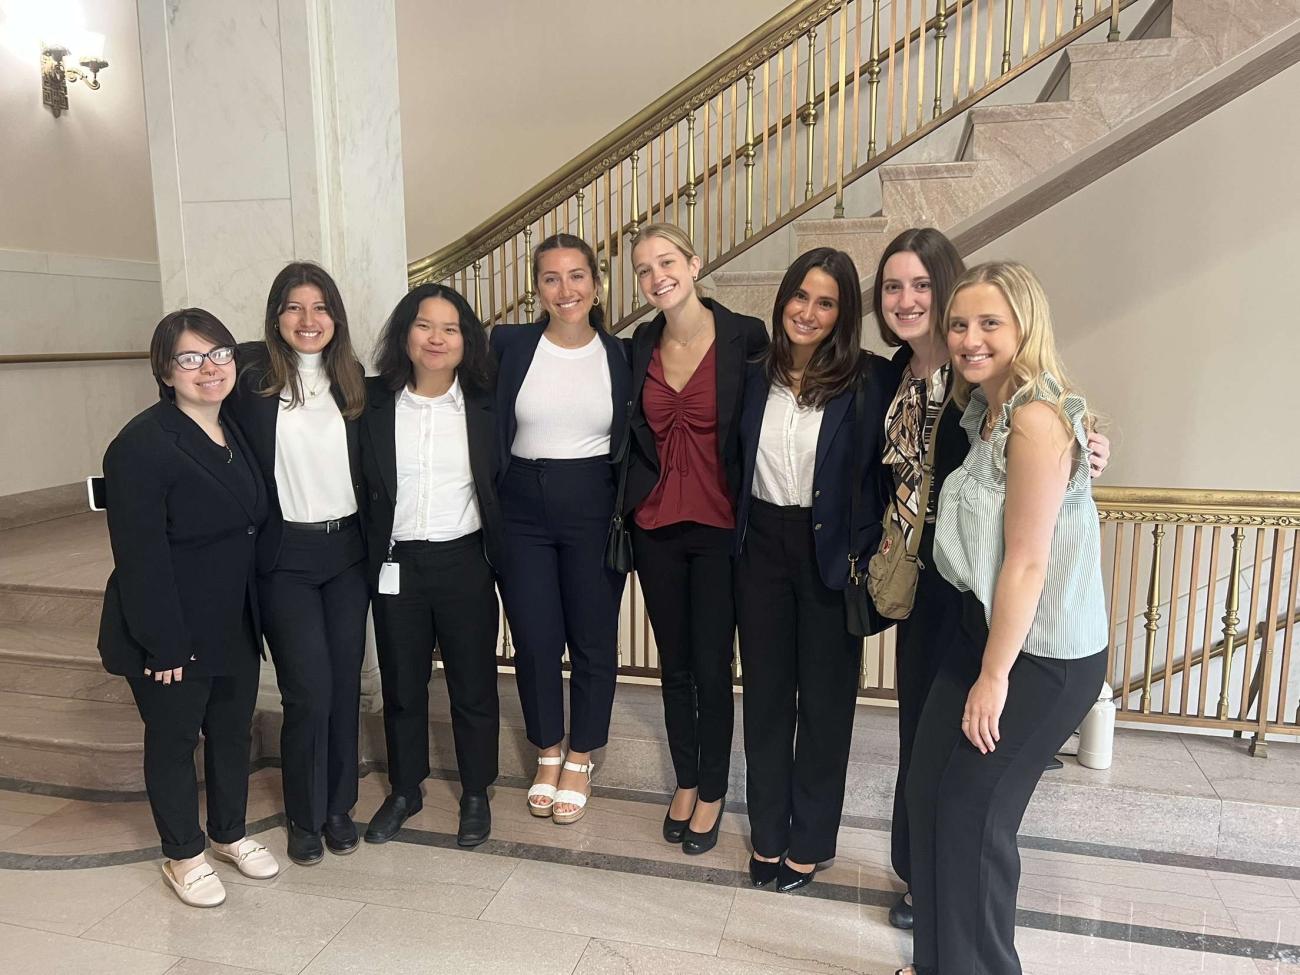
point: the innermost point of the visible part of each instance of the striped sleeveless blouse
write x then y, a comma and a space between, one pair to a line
968, 541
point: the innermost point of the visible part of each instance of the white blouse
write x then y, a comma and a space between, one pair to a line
312, 475
436, 501
787, 450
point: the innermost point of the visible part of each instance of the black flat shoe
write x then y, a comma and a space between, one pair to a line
304, 846
900, 915
475, 819
340, 834
695, 843
1053, 764
789, 879
390, 816
762, 873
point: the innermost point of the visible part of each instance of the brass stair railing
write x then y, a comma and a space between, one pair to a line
779, 124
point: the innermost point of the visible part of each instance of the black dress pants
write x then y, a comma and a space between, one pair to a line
965, 808
921, 641
800, 672
685, 575
448, 597
173, 715
314, 607
558, 592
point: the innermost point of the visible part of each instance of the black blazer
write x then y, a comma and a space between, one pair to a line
838, 446
738, 339
183, 525
515, 346
951, 444
258, 415
378, 429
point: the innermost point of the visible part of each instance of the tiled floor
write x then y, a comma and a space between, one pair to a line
604, 896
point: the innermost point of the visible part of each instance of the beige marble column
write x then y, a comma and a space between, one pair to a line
274, 136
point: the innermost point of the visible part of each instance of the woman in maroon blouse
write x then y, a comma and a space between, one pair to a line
684, 471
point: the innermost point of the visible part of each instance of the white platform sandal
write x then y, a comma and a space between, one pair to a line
542, 791
572, 797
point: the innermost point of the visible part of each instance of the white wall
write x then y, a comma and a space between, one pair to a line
1171, 285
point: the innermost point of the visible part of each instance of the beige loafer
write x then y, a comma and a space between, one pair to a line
251, 859
201, 887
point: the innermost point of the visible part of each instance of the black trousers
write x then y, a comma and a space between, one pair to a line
921, 641
447, 597
557, 591
685, 575
800, 670
314, 614
173, 715
965, 808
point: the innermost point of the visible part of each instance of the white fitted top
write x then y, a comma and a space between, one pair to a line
312, 475
564, 409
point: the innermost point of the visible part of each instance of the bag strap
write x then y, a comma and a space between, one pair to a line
927, 475
622, 459
859, 464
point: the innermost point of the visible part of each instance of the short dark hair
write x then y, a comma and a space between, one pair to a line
570, 242
941, 261
836, 363
477, 368
167, 335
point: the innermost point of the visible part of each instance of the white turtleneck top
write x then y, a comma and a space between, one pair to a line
312, 474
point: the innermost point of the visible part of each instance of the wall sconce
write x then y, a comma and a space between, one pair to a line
55, 77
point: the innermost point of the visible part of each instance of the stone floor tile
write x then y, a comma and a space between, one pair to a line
1126, 904
24, 951
399, 942
614, 906
620, 958
1278, 967
813, 935
258, 928
1055, 953
67, 901
192, 966
1236, 776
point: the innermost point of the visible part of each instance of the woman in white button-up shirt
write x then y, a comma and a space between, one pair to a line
813, 413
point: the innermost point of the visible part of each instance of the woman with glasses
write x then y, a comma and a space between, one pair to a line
299, 395
180, 621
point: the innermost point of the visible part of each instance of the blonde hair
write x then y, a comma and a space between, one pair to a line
675, 235
1036, 355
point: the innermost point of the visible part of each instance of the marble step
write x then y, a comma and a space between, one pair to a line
21, 603
1224, 37
863, 239
1025, 140
56, 661
58, 741
1115, 81
939, 194
746, 292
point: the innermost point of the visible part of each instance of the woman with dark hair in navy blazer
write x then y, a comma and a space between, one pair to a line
429, 456
562, 399
180, 620
299, 395
802, 432
688, 375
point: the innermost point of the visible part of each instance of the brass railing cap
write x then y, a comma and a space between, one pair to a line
1199, 506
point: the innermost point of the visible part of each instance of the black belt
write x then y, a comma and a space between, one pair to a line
328, 527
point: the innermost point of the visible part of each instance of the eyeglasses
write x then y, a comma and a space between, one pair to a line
222, 355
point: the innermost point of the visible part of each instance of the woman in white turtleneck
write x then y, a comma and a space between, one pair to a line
299, 394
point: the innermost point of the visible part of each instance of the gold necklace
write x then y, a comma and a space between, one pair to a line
683, 343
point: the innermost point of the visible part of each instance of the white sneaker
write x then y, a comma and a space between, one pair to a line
251, 859
201, 887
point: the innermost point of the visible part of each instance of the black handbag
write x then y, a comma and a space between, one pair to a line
618, 545
860, 615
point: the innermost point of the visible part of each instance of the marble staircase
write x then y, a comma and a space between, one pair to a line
1183, 58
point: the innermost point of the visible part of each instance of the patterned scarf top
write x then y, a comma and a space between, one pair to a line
909, 428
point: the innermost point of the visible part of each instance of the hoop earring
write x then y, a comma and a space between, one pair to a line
595, 302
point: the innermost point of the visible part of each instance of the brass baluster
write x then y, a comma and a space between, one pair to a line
530, 295
839, 129
1152, 615
809, 114
635, 225
940, 32
1006, 35
1114, 21
1230, 619
1078, 13
690, 175
603, 265
478, 294
582, 223
873, 77
748, 152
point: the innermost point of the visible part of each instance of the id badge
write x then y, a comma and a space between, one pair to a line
390, 578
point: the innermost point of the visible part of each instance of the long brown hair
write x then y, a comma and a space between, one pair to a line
341, 364
836, 363
941, 261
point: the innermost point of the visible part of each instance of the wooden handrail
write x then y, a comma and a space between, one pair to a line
39, 357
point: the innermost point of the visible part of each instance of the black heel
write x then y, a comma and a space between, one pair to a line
695, 843
762, 873
674, 829
789, 879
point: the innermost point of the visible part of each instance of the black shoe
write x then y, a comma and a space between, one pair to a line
696, 843
900, 915
340, 833
788, 878
390, 816
1053, 764
674, 829
762, 873
304, 846
475, 819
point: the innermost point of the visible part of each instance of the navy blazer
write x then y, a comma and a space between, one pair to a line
738, 339
379, 470
838, 446
515, 346
183, 524
258, 416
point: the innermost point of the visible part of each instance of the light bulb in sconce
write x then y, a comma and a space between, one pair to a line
69, 52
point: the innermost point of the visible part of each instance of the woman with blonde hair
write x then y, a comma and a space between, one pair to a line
1017, 535
683, 480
